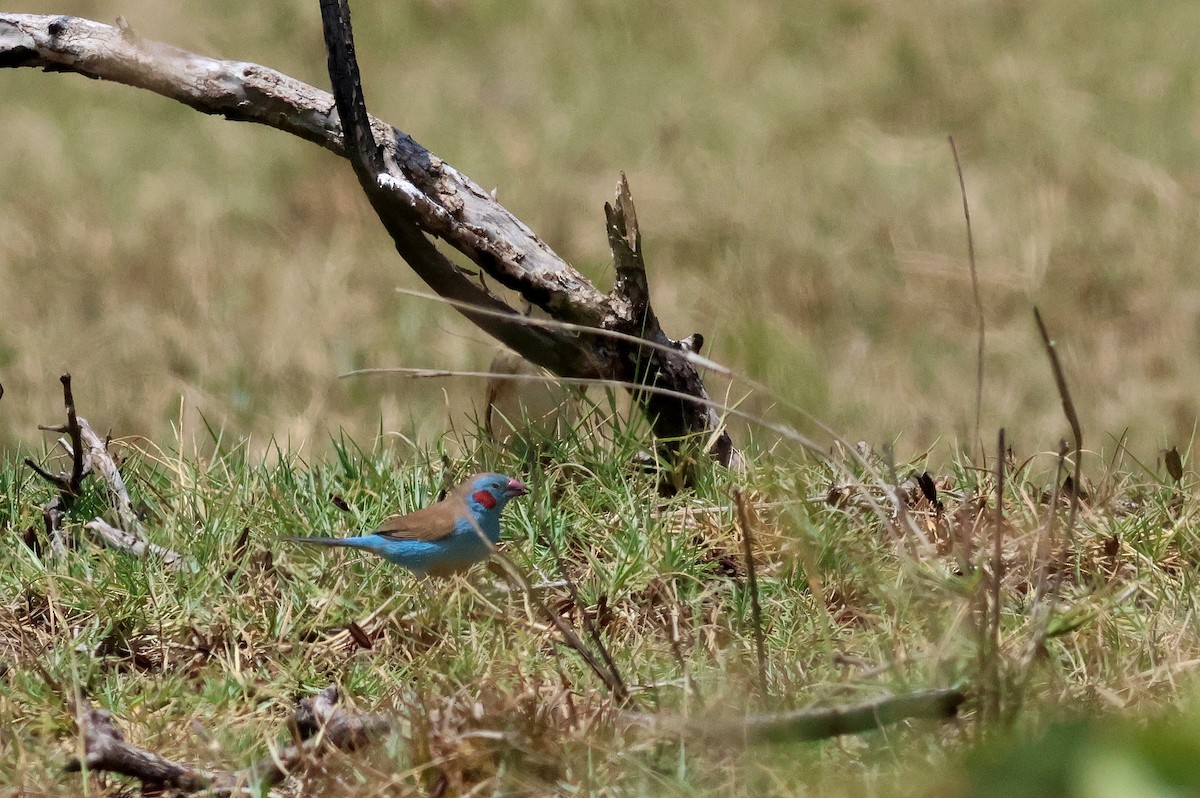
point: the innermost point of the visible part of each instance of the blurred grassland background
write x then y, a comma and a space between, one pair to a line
793, 181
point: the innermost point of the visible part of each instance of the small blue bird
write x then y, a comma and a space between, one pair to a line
444, 538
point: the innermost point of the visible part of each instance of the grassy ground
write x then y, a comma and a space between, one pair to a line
206, 666
801, 209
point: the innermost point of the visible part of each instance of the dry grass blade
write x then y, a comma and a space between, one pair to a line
752, 585
1046, 554
995, 582
610, 678
1060, 381
962, 188
588, 623
786, 432
700, 362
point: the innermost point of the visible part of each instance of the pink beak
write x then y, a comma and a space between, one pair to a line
515, 488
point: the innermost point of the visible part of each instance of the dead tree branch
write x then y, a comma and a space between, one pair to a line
319, 725
105, 750
632, 293
416, 195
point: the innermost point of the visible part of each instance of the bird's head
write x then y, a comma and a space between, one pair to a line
490, 492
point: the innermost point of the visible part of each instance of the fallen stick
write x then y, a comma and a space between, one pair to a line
136, 545
808, 724
318, 723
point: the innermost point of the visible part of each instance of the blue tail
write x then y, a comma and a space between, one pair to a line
348, 543
440, 557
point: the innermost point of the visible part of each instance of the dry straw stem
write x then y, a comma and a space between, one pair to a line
611, 678
1060, 382
962, 188
786, 432
1048, 548
743, 512
606, 670
990, 671
588, 624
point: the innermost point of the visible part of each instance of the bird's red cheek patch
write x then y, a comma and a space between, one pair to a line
484, 498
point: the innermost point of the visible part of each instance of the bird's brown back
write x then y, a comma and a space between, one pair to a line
433, 522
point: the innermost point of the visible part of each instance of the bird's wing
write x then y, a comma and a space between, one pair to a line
429, 523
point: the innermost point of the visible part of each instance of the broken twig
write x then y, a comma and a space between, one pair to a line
89, 452
68, 484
